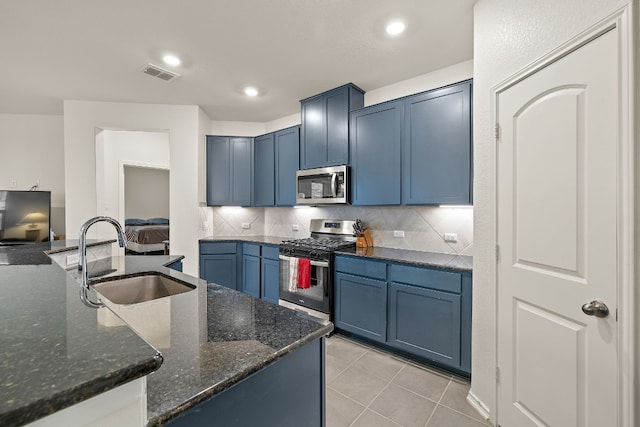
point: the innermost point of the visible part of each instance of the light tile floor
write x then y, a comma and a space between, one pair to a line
369, 388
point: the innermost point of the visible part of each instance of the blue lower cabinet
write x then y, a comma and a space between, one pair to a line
425, 322
219, 269
361, 306
251, 275
288, 392
270, 280
177, 266
261, 271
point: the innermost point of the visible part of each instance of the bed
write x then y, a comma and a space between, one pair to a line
146, 235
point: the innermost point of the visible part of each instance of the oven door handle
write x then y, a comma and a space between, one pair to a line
313, 262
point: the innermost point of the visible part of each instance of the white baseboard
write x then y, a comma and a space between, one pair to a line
479, 406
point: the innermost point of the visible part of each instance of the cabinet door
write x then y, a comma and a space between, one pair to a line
437, 147
218, 170
270, 280
219, 269
337, 127
251, 275
314, 135
287, 159
263, 170
241, 175
425, 322
375, 154
361, 306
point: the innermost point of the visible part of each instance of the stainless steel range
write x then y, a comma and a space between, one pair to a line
306, 266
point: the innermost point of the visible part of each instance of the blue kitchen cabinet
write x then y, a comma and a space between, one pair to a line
177, 265
261, 271
287, 162
264, 170
270, 274
229, 171
219, 263
360, 301
325, 126
251, 275
421, 311
375, 144
437, 162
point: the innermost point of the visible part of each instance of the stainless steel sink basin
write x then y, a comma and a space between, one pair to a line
137, 289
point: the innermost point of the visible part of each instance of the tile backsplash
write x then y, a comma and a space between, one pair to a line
423, 227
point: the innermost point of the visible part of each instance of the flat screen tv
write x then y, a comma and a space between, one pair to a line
25, 217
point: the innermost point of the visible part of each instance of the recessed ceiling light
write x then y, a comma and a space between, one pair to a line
171, 60
250, 91
395, 28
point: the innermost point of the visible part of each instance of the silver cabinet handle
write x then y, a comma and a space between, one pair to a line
596, 308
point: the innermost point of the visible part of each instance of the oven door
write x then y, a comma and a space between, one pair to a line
317, 295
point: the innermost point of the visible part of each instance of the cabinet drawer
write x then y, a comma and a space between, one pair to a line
251, 249
270, 252
361, 267
218, 248
419, 276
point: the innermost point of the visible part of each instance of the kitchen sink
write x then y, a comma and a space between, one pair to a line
137, 289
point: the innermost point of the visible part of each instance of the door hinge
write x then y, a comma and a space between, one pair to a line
497, 132
497, 253
497, 374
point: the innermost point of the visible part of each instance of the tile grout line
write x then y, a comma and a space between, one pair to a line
376, 396
438, 403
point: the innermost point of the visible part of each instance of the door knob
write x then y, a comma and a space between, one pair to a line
595, 308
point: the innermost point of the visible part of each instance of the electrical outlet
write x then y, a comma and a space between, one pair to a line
398, 233
246, 225
14, 183
450, 237
205, 225
72, 260
295, 227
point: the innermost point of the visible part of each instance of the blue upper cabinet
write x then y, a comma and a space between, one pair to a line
229, 171
264, 170
375, 144
437, 164
287, 158
325, 126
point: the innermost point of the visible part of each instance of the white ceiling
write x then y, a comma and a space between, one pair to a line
290, 49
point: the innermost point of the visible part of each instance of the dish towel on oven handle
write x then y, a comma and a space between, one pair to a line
293, 274
304, 273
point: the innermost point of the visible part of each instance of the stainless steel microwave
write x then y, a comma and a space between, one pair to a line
323, 186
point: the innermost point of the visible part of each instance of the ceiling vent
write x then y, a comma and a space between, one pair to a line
159, 72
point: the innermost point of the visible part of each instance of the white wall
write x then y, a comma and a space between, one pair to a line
146, 192
435, 79
32, 148
508, 35
81, 118
115, 150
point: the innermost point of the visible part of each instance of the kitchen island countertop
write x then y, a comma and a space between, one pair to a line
56, 352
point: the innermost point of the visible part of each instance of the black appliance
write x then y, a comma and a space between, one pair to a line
25, 217
313, 294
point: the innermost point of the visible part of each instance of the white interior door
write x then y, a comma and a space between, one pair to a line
557, 195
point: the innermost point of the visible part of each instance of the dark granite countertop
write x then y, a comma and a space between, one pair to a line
210, 338
264, 240
54, 351
420, 258
36, 253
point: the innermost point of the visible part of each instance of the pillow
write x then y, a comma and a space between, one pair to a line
135, 221
158, 221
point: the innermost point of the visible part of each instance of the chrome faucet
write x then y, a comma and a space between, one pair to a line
82, 255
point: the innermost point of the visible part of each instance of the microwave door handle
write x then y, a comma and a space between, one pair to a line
334, 184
